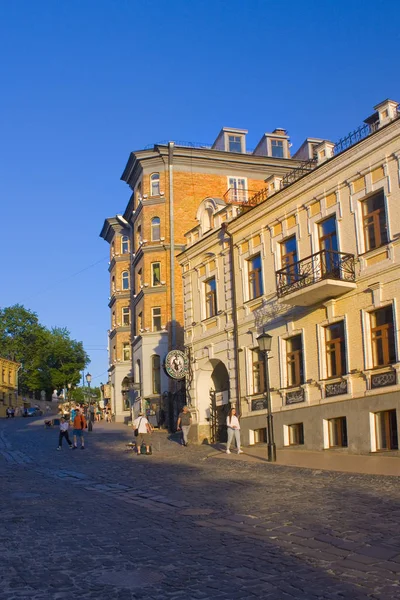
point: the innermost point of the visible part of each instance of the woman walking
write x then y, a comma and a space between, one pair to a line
233, 425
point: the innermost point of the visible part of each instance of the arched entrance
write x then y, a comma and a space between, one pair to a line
219, 401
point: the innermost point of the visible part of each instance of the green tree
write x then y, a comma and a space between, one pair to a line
50, 358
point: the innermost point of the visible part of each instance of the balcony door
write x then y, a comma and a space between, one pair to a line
328, 245
289, 259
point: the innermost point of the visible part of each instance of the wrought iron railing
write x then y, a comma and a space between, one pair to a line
295, 174
325, 264
245, 197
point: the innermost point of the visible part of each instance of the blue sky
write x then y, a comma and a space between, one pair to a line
84, 82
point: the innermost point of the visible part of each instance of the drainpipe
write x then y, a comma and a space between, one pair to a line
234, 314
171, 146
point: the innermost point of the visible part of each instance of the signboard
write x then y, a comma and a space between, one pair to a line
176, 364
107, 390
260, 404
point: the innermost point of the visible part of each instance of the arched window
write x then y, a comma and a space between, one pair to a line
155, 368
155, 184
124, 244
125, 280
155, 228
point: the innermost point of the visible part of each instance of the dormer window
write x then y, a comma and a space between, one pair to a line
235, 143
277, 148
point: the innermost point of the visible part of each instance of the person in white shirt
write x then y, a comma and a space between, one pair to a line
63, 434
233, 425
144, 430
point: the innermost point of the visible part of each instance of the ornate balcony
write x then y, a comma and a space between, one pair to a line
325, 274
241, 196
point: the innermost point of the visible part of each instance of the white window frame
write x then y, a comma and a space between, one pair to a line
124, 240
154, 308
367, 335
126, 311
123, 279
155, 183
126, 346
231, 179
151, 273
155, 226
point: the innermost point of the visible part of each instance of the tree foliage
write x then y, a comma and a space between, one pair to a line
50, 358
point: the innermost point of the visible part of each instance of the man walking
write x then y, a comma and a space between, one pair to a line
184, 422
64, 434
79, 427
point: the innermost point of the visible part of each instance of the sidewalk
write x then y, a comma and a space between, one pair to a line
328, 460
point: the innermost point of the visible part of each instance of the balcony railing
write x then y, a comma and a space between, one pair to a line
240, 196
325, 264
295, 174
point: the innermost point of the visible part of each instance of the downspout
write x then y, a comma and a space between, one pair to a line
234, 314
171, 146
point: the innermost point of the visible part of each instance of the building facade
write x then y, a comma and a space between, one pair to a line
117, 234
168, 182
316, 265
8, 385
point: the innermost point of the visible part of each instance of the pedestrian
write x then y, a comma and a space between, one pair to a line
142, 430
8, 412
184, 422
98, 414
232, 422
79, 427
63, 434
92, 409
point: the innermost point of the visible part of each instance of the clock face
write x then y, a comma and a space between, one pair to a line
176, 364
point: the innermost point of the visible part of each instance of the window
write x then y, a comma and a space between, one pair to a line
374, 221
113, 283
114, 353
126, 351
155, 184
155, 274
277, 148
330, 259
140, 322
138, 236
155, 228
335, 347
296, 434
260, 436
156, 318
289, 260
124, 244
237, 189
125, 280
255, 277
258, 372
337, 429
138, 194
155, 367
211, 297
294, 361
112, 249
235, 143
386, 430
126, 316
382, 337
9, 377
140, 278
113, 320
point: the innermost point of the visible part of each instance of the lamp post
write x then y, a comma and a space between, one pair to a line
264, 343
88, 381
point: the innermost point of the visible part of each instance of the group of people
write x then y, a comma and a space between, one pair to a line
142, 429
79, 424
10, 412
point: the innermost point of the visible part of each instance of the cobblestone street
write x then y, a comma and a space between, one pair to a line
107, 524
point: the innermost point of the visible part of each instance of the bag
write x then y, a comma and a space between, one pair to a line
136, 431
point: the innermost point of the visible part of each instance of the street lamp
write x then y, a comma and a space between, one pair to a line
88, 381
264, 343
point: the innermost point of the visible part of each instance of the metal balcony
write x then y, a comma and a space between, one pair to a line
240, 196
323, 275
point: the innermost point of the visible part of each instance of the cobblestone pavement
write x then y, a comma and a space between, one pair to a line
178, 525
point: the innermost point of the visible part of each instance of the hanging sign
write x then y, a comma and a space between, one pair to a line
176, 364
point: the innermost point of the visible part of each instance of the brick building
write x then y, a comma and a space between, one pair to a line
314, 261
168, 182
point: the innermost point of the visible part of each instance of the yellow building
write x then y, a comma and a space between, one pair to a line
8, 385
168, 182
316, 266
